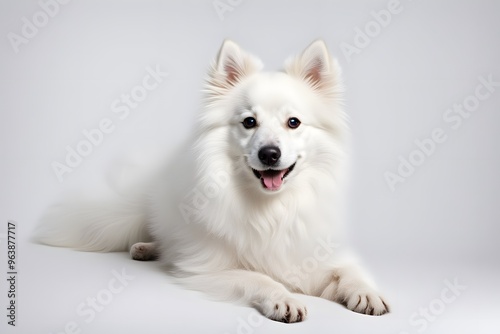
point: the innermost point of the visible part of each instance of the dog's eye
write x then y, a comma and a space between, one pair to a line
293, 122
249, 122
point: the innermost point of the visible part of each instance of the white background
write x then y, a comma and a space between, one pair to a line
440, 224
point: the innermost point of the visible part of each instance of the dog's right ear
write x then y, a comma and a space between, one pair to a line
231, 66
233, 63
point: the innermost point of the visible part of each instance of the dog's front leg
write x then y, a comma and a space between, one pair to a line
350, 286
269, 297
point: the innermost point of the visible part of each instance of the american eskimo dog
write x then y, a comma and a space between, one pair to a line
249, 210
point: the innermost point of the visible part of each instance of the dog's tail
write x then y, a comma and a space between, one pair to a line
99, 226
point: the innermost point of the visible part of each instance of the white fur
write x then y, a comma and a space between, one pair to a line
213, 224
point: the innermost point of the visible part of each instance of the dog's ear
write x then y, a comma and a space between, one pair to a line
234, 63
230, 67
317, 68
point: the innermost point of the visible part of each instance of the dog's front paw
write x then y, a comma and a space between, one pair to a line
285, 310
366, 301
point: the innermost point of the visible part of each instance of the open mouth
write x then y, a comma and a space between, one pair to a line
272, 179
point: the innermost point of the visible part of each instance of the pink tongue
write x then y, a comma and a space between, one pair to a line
274, 182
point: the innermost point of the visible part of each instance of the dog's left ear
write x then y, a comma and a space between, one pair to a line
317, 68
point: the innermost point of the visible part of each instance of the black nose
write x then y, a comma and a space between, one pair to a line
269, 155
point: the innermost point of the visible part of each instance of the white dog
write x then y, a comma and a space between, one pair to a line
249, 210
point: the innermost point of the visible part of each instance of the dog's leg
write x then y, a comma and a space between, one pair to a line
350, 286
269, 297
143, 251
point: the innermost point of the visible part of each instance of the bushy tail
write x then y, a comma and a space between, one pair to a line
91, 225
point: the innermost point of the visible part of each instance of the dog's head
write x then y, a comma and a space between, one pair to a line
277, 126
